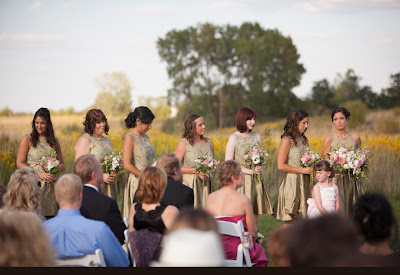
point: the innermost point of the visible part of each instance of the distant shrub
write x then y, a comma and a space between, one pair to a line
358, 110
388, 125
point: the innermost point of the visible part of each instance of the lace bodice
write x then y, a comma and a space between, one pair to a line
242, 145
143, 155
296, 152
347, 142
195, 151
101, 146
35, 154
327, 193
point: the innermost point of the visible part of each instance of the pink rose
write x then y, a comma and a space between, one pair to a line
246, 157
342, 160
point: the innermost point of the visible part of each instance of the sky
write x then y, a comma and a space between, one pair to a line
51, 51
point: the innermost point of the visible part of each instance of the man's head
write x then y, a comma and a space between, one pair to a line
171, 165
88, 168
68, 191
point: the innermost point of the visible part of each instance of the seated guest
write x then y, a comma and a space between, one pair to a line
73, 235
23, 192
23, 241
96, 205
276, 247
3, 191
175, 193
229, 205
148, 218
196, 218
375, 221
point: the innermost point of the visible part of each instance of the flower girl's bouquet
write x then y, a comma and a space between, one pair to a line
112, 163
256, 156
354, 162
206, 164
50, 164
309, 158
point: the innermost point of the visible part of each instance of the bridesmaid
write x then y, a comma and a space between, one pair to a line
295, 187
93, 142
236, 147
41, 142
192, 145
137, 152
349, 189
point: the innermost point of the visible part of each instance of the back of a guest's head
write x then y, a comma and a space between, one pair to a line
24, 241
3, 191
84, 166
374, 217
152, 183
22, 190
191, 248
194, 218
227, 169
169, 163
67, 189
321, 241
277, 248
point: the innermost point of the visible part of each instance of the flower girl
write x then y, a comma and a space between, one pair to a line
325, 193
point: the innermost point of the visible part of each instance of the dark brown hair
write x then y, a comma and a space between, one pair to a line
94, 116
291, 128
243, 115
144, 114
169, 163
194, 218
152, 184
340, 110
227, 169
324, 165
43, 113
189, 129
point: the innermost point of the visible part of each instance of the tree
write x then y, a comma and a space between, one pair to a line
115, 94
390, 97
322, 93
212, 64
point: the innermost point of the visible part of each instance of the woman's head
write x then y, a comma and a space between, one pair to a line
152, 183
23, 190
141, 115
296, 124
374, 217
42, 126
193, 126
230, 172
96, 122
342, 110
323, 170
195, 219
245, 119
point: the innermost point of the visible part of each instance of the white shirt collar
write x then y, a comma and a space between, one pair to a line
94, 187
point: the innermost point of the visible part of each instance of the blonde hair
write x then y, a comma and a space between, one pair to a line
24, 241
23, 191
67, 189
227, 169
152, 183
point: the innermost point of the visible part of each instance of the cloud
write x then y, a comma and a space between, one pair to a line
385, 40
223, 5
70, 4
35, 5
30, 37
313, 6
41, 68
152, 9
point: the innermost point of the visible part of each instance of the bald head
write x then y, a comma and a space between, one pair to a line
68, 191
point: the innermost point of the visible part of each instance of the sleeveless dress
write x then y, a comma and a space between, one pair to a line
200, 191
349, 189
230, 243
102, 147
328, 200
294, 189
252, 188
142, 156
149, 220
48, 204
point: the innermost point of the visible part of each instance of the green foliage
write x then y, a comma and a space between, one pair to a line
358, 110
114, 97
158, 105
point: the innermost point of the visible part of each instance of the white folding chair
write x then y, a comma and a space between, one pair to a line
126, 234
126, 221
236, 230
89, 260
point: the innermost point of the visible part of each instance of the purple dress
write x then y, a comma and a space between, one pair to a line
257, 252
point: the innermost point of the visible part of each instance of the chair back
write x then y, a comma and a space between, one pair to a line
236, 230
126, 234
89, 260
126, 222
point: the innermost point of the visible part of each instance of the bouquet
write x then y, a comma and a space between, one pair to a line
50, 163
206, 164
112, 162
256, 156
309, 158
353, 162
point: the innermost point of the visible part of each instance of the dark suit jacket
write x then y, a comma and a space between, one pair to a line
97, 206
176, 194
